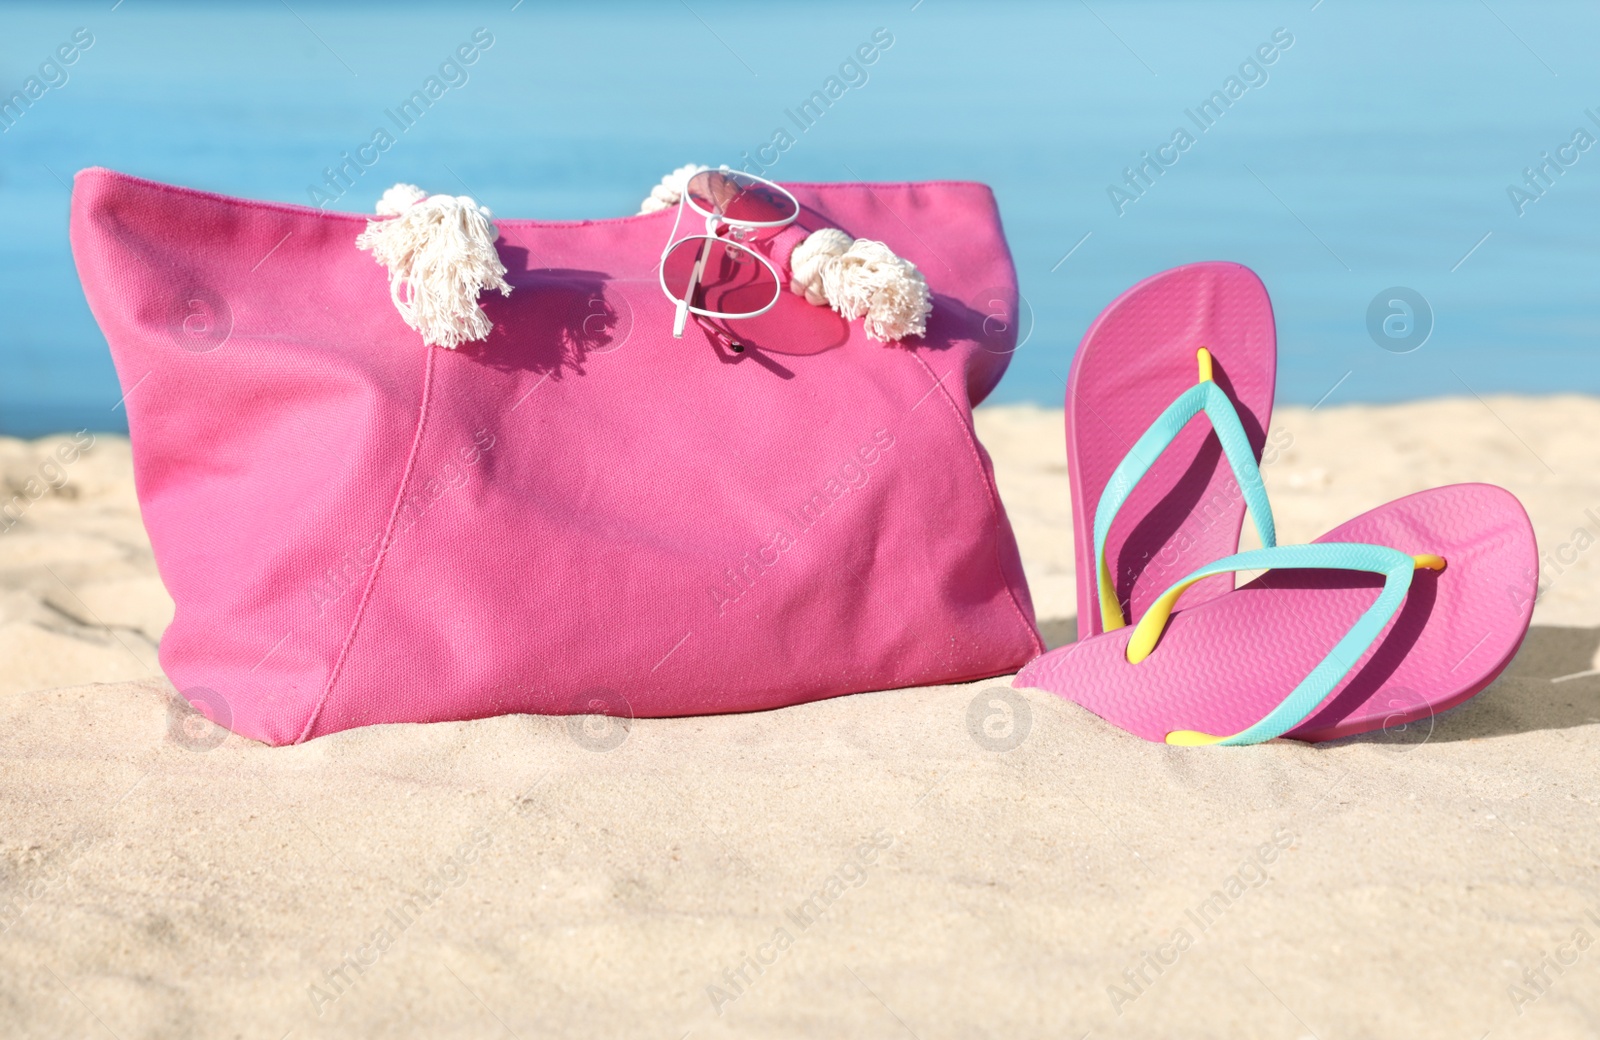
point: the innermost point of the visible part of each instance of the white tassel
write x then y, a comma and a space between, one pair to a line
440, 253
805, 263
862, 278
670, 190
400, 198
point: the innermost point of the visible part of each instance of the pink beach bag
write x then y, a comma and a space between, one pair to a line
578, 514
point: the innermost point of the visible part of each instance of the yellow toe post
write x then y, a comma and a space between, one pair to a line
1430, 562
1192, 738
1154, 622
1111, 617
1204, 357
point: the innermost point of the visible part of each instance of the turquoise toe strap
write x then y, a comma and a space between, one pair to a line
1205, 396
1396, 568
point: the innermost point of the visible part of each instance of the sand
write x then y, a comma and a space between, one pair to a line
859, 867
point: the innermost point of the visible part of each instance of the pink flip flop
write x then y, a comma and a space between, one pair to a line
1316, 648
1136, 360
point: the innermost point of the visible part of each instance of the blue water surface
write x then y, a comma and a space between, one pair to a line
1386, 146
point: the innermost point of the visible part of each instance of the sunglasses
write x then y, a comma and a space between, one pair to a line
717, 274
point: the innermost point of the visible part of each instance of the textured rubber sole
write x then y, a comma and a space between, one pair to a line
1222, 665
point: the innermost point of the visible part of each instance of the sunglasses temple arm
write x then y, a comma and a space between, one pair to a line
680, 318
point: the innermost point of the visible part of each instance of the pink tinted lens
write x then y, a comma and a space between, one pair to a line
731, 279
735, 196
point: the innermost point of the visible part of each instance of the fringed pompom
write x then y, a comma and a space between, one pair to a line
805, 263
670, 190
440, 253
861, 278
399, 198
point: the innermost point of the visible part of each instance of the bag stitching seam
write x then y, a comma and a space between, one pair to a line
383, 550
996, 507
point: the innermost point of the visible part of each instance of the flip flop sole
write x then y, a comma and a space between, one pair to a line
1221, 666
1136, 358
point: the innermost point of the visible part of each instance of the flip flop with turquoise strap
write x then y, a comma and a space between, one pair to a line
1135, 362
1395, 616
1203, 398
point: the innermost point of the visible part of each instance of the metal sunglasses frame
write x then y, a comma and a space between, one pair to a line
740, 233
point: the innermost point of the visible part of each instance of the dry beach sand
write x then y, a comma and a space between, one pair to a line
865, 866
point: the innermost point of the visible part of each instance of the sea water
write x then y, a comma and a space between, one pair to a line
1416, 183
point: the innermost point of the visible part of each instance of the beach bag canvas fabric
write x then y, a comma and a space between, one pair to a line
578, 514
